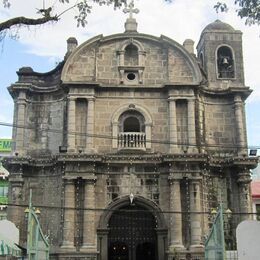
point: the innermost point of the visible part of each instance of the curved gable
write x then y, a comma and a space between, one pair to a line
105, 60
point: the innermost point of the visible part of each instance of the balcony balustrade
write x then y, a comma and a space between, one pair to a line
132, 140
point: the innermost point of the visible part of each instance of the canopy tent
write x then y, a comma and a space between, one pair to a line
8, 247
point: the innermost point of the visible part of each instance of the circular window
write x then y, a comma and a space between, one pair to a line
130, 76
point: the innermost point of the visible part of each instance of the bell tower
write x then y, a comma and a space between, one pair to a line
220, 54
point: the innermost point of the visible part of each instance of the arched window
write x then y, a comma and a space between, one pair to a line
225, 63
131, 121
131, 127
131, 124
132, 130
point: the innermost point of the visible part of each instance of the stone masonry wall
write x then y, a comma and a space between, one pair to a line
108, 102
100, 62
219, 123
45, 125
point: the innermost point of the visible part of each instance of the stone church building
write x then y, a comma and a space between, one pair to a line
130, 142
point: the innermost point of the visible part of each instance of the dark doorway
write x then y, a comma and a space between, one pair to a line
118, 250
132, 234
145, 251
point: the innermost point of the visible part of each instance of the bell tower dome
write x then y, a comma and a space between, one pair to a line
220, 54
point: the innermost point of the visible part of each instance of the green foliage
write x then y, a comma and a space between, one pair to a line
248, 9
222, 7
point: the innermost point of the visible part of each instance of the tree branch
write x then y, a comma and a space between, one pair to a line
26, 21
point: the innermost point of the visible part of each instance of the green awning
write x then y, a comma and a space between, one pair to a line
8, 247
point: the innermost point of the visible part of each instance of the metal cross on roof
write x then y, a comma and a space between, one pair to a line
131, 10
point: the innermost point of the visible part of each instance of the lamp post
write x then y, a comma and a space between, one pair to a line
37, 244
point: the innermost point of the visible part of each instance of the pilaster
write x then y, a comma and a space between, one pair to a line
173, 125
89, 230
71, 136
240, 128
195, 216
176, 214
69, 214
191, 125
21, 113
15, 213
90, 123
243, 181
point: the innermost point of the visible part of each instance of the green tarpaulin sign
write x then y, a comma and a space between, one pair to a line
5, 145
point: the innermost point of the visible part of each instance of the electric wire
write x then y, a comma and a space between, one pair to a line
110, 137
123, 210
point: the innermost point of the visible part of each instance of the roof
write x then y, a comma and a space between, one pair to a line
255, 187
218, 26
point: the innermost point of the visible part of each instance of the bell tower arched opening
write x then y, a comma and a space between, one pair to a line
225, 63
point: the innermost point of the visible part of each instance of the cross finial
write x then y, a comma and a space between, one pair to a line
131, 10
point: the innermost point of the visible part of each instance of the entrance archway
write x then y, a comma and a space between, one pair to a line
132, 234
132, 231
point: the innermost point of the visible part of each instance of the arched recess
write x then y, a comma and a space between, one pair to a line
150, 206
135, 69
147, 123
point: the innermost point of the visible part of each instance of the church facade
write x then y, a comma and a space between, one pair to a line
130, 142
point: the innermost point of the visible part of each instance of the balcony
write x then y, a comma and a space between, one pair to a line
132, 140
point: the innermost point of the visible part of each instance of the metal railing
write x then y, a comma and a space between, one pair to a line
131, 140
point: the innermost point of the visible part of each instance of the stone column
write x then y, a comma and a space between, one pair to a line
89, 230
69, 215
20, 130
191, 125
71, 136
176, 217
173, 126
16, 213
243, 181
240, 128
90, 124
195, 216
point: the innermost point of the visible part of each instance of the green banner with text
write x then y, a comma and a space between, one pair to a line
5, 145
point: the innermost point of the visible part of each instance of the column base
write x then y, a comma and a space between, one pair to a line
176, 247
88, 248
196, 246
68, 246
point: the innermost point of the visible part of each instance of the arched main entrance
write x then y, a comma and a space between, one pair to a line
132, 234
132, 231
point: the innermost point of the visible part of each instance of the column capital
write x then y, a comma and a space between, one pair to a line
174, 177
237, 98
69, 179
71, 98
91, 98
244, 178
171, 99
90, 179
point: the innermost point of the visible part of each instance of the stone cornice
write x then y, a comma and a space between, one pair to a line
243, 91
89, 159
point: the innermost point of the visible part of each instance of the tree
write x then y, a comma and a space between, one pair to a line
248, 9
46, 13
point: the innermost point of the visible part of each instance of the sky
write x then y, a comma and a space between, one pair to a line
42, 47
